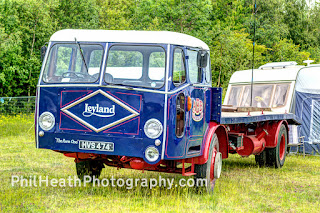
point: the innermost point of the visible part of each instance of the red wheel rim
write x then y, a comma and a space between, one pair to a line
282, 147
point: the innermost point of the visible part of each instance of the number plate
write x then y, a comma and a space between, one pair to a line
96, 145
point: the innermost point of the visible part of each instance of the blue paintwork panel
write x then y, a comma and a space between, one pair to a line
69, 105
216, 104
197, 120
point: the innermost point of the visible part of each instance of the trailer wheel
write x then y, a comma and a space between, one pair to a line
261, 159
89, 168
276, 156
211, 170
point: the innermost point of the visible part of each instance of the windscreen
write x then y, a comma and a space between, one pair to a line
141, 66
73, 63
264, 95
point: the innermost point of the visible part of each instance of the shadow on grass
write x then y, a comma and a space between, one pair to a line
235, 161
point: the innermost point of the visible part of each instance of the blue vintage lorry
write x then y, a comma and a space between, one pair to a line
143, 100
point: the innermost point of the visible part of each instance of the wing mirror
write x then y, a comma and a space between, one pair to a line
202, 59
43, 51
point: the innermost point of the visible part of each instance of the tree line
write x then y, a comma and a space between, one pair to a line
286, 30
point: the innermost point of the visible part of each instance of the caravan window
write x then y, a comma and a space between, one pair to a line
261, 95
234, 96
280, 95
264, 95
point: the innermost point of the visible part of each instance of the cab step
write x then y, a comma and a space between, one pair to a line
189, 174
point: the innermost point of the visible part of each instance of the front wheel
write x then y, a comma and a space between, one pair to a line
211, 170
277, 155
89, 168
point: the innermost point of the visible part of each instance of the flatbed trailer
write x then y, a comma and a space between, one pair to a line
143, 100
262, 133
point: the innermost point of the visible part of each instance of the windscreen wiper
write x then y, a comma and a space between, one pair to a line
80, 49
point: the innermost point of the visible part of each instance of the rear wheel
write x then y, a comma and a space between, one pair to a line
261, 159
211, 170
277, 155
89, 168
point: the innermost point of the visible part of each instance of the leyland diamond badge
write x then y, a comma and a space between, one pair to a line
112, 110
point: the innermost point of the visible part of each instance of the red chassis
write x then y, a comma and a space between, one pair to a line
260, 139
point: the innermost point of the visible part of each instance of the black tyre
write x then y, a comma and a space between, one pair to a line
261, 159
276, 156
89, 168
211, 170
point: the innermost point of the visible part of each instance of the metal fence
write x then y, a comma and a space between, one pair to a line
17, 105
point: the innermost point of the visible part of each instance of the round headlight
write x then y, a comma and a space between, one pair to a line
46, 121
151, 154
153, 128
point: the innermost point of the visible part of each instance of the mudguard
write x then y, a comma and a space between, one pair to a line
221, 132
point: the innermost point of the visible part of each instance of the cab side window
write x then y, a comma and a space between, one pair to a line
179, 69
194, 71
180, 115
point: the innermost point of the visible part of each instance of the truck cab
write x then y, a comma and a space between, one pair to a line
131, 99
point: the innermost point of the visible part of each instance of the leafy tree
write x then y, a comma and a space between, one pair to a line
233, 51
296, 20
286, 50
231, 13
116, 14
270, 25
25, 27
315, 54
286, 30
76, 14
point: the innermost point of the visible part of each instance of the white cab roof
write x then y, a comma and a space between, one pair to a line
266, 75
129, 36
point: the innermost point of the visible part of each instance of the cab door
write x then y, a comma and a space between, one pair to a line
196, 120
187, 118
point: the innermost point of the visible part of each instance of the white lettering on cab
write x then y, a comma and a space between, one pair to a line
99, 111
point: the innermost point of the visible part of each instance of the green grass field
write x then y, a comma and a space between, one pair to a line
243, 187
